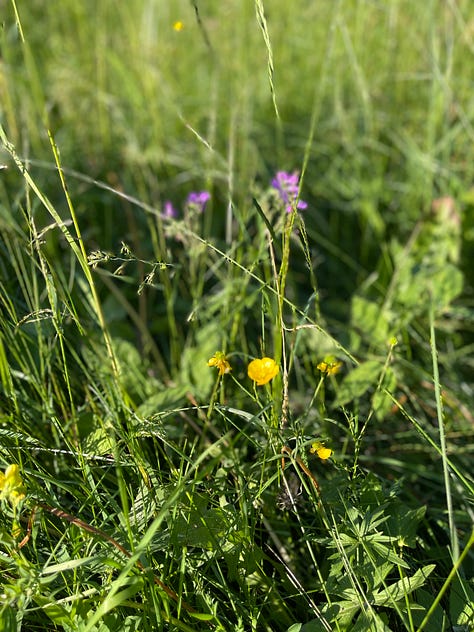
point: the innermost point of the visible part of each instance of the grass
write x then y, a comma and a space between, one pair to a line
153, 492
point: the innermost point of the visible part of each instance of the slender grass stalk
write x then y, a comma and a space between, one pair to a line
78, 250
442, 439
81, 254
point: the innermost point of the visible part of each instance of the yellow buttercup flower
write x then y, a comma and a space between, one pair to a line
262, 370
330, 365
11, 485
219, 360
178, 26
323, 452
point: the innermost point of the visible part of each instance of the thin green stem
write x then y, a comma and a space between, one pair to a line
442, 439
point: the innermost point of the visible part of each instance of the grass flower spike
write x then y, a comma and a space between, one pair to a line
219, 360
11, 485
261, 371
318, 448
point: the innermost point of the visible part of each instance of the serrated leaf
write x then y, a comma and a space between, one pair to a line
403, 523
358, 382
202, 528
397, 591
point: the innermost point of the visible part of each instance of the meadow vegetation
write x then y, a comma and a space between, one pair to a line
237, 316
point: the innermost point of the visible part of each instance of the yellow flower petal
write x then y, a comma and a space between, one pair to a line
323, 452
262, 370
11, 485
330, 366
219, 360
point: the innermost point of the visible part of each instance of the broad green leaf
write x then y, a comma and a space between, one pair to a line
397, 591
164, 400
358, 382
461, 602
368, 319
315, 625
446, 285
203, 528
403, 523
424, 600
195, 374
370, 621
381, 401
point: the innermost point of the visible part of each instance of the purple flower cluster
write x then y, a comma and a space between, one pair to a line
196, 200
287, 185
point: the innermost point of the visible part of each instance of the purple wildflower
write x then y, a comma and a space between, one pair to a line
169, 210
198, 199
287, 185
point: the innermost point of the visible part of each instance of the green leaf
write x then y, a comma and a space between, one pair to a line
7, 619
315, 625
202, 527
368, 319
370, 621
438, 620
381, 401
358, 382
403, 523
461, 602
201, 616
195, 374
397, 591
163, 400
446, 285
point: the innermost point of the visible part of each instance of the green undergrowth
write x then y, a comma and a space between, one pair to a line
149, 479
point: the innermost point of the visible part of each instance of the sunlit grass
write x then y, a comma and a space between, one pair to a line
236, 316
